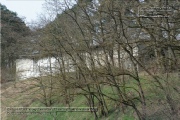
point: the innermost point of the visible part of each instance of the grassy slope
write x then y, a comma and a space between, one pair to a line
153, 96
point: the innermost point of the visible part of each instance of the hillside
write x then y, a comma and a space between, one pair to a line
24, 94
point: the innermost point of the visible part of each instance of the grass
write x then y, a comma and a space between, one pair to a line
157, 107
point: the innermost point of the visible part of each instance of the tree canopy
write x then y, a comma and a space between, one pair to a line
13, 32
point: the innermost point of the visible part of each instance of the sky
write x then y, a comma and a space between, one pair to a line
28, 9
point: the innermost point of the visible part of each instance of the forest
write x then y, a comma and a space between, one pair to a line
121, 58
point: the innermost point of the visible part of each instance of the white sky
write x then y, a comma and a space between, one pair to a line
25, 8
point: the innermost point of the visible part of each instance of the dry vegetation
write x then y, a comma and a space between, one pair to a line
94, 45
